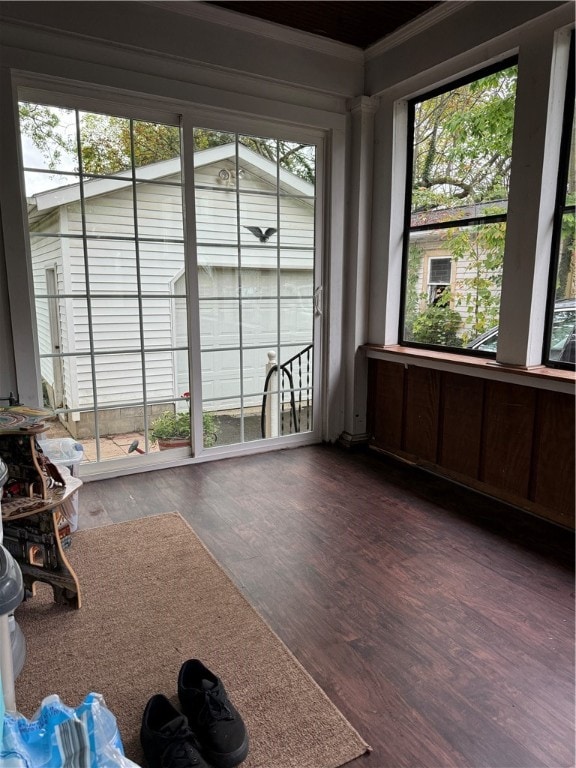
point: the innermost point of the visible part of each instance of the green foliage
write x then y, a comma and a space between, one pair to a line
463, 143
172, 424
108, 143
566, 260
478, 294
462, 157
43, 126
412, 297
438, 324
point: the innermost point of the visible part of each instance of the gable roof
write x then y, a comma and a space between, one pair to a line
93, 187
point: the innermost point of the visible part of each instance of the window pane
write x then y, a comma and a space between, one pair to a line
103, 214
219, 323
216, 216
463, 145
560, 343
160, 213
51, 187
562, 347
259, 282
156, 150
105, 144
296, 222
259, 322
257, 163
461, 161
299, 159
469, 304
571, 181
440, 270
259, 222
48, 138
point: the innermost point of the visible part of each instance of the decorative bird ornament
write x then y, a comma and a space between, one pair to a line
262, 236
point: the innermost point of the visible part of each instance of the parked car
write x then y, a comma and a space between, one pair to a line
563, 346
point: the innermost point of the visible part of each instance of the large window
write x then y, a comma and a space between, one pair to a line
459, 160
560, 348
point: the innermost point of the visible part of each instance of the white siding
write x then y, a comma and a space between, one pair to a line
46, 254
113, 270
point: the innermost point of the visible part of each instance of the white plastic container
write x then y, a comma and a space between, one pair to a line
63, 451
66, 454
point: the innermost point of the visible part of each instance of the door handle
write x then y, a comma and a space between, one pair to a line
318, 301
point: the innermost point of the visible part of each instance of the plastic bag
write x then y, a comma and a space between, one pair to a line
62, 737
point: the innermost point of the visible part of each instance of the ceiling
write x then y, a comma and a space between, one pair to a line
355, 22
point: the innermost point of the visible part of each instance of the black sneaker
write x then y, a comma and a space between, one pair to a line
220, 730
166, 738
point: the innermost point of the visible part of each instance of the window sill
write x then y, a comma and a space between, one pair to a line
539, 376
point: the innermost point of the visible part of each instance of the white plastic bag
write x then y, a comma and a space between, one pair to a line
62, 737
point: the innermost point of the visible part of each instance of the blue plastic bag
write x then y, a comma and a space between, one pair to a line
59, 736
2, 709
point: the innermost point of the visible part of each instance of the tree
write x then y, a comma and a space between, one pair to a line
463, 143
43, 125
108, 142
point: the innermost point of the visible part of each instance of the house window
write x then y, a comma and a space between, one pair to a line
459, 161
439, 274
560, 350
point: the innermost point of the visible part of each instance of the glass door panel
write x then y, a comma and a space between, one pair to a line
256, 216
105, 204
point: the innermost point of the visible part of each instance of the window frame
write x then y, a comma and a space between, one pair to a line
560, 209
143, 106
407, 229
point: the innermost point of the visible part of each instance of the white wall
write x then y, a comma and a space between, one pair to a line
113, 270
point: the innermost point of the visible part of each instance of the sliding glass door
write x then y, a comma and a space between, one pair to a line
111, 251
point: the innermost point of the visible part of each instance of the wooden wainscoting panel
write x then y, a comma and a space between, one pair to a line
508, 429
461, 424
553, 472
421, 418
387, 391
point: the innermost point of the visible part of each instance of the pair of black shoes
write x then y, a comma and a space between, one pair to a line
209, 733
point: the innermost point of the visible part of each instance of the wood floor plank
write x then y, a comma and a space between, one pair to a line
439, 621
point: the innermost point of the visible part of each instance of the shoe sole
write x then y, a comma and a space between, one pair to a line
227, 759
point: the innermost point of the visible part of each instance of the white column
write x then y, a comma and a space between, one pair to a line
543, 65
357, 267
272, 426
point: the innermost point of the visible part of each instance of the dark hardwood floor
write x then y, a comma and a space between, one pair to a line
441, 623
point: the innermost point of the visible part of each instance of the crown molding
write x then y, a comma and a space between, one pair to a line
243, 23
413, 28
192, 72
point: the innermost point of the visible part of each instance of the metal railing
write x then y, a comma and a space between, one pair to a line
294, 390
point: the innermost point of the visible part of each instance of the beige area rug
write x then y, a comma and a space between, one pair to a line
152, 597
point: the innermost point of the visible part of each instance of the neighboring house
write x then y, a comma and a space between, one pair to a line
443, 259
58, 264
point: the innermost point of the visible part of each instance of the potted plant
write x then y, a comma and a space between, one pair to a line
172, 429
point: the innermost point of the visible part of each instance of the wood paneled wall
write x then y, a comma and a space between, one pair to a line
514, 442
